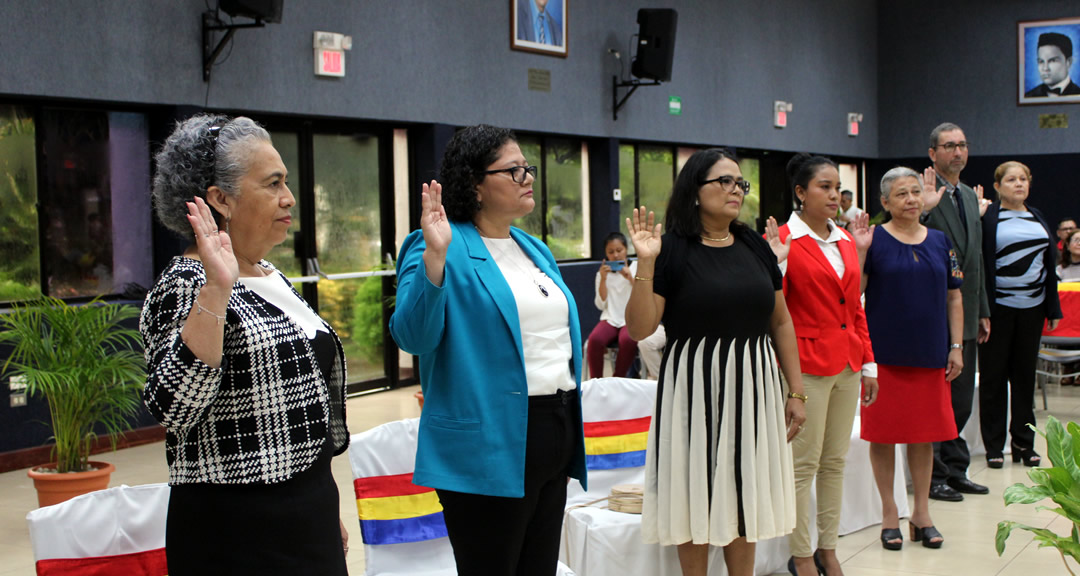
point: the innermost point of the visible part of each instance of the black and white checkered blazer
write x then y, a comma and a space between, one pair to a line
264, 415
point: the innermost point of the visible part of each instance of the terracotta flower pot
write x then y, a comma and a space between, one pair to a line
53, 488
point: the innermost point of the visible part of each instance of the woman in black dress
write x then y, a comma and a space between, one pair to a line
246, 378
719, 469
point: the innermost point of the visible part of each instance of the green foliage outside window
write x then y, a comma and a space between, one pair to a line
751, 208
565, 228
20, 269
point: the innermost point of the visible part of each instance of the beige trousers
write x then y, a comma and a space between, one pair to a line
820, 451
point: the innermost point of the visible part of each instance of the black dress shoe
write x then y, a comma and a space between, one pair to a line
944, 492
966, 486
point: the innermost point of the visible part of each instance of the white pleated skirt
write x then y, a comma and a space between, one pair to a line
718, 466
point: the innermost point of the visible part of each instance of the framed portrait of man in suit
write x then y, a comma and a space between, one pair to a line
539, 26
1048, 63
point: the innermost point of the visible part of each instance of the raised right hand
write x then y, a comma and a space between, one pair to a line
214, 246
645, 233
772, 234
931, 194
433, 221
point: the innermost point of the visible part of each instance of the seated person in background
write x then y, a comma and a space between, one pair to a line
1065, 229
651, 350
1054, 59
848, 209
613, 283
1068, 268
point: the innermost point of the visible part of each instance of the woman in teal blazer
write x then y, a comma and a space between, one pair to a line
484, 306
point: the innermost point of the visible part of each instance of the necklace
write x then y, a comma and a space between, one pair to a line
511, 259
724, 239
492, 237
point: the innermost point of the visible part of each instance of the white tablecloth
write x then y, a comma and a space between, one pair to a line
598, 542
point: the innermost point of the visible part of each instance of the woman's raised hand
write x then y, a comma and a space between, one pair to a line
645, 233
433, 221
772, 234
862, 232
214, 246
983, 202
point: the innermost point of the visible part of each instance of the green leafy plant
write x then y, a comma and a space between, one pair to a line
1059, 483
86, 364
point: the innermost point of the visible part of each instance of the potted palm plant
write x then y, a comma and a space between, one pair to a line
89, 368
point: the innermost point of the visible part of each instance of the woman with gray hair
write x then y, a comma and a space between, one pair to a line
914, 312
246, 378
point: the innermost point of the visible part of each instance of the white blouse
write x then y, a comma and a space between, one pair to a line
275, 290
544, 320
613, 310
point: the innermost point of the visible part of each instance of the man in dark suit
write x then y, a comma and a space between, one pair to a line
535, 24
953, 207
1054, 58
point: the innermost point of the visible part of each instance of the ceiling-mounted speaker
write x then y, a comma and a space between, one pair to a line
265, 10
656, 43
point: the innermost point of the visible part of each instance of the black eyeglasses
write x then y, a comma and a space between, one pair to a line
952, 146
727, 184
517, 173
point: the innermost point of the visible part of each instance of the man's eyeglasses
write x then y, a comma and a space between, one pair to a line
728, 184
516, 172
952, 146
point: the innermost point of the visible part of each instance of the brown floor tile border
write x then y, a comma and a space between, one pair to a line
27, 457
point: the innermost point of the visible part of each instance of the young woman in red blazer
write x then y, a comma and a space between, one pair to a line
822, 265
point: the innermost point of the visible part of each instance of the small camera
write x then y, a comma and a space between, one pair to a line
617, 265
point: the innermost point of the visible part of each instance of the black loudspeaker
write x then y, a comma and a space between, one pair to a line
656, 43
265, 10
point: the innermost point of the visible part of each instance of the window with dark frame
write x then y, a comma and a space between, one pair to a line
560, 218
76, 196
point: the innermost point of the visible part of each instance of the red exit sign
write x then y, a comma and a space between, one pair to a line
329, 62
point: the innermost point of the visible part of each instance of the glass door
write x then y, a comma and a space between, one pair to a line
334, 254
349, 248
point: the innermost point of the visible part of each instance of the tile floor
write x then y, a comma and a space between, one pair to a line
968, 526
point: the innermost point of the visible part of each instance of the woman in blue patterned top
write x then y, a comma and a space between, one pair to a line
1019, 258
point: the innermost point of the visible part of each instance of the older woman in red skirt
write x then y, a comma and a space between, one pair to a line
915, 315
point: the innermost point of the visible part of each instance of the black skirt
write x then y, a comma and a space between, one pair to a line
267, 529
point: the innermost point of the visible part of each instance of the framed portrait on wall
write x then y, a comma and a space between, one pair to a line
1048, 66
539, 26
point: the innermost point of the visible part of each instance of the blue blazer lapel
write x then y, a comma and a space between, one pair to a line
492, 279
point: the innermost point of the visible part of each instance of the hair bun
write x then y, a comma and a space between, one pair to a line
796, 163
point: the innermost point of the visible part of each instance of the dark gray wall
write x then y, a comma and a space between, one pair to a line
956, 62
425, 61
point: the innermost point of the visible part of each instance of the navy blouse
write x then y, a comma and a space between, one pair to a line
906, 305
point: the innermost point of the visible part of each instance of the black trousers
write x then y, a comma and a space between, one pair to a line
495, 536
951, 457
1007, 376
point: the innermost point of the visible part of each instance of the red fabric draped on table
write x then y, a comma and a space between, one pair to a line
1069, 327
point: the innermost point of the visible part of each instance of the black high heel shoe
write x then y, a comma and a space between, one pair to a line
925, 536
995, 460
817, 563
1030, 458
889, 534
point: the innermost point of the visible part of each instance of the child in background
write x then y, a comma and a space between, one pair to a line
613, 282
